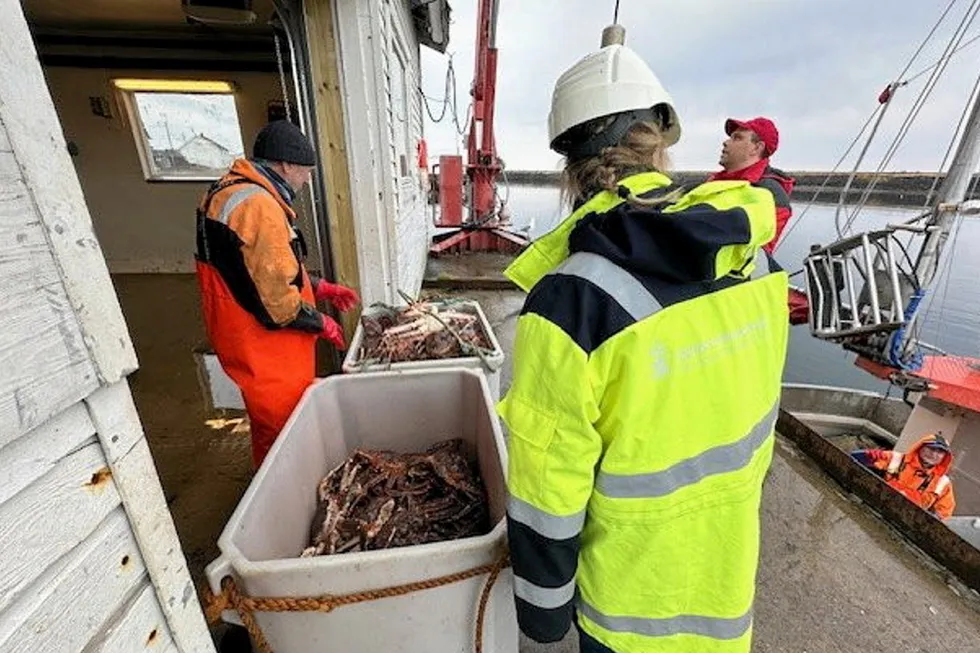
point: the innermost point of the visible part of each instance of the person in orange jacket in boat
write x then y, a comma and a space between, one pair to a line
258, 299
745, 157
920, 474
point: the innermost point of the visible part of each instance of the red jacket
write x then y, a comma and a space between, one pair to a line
776, 181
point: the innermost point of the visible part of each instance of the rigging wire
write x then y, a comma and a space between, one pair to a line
948, 264
953, 141
935, 182
907, 123
955, 233
944, 268
890, 90
449, 100
826, 181
871, 118
942, 165
946, 272
967, 20
616, 13
922, 72
446, 94
922, 45
906, 267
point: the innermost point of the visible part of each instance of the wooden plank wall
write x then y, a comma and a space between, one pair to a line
74, 576
356, 24
91, 561
413, 225
325, 75
391, 220
46, 364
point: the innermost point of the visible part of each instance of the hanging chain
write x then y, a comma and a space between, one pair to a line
282, 77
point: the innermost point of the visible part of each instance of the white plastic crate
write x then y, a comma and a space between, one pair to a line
403, 411
495, 359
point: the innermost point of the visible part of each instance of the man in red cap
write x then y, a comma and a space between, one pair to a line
745, 155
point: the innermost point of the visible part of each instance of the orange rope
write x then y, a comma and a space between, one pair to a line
232, 599
495, 570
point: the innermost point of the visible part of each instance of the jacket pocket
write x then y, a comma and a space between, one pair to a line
528, 423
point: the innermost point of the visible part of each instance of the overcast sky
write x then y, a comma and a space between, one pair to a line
173, 119
815, 67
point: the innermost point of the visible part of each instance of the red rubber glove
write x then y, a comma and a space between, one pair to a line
342, 297
331, 331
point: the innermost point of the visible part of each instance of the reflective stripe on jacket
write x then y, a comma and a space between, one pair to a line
246, 232
647, 369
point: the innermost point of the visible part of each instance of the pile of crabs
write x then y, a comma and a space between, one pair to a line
422, 330
381, 499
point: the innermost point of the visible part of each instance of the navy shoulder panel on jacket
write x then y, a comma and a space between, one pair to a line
591, 299
778, 193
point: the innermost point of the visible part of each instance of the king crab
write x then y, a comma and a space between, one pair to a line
380, 499
420, 331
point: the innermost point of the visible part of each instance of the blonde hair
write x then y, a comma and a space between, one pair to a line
642, 149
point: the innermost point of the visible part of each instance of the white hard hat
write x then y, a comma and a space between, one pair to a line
614, 80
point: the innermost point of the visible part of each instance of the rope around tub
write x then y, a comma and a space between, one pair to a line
232, 599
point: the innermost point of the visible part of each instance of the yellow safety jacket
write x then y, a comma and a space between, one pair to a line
647, 370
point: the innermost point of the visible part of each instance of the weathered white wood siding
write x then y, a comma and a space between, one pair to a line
368, 156
413, 226
393, 225
91, 561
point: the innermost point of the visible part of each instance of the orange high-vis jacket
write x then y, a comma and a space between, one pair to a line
930, 489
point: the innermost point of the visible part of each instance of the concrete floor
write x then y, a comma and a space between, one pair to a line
204, 463
832, 577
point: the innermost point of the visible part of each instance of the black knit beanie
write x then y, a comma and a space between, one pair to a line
281, 140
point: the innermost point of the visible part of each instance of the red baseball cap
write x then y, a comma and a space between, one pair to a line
763, 128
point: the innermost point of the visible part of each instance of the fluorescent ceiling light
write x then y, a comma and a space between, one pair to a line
173, 85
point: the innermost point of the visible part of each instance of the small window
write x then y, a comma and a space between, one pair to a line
184, 130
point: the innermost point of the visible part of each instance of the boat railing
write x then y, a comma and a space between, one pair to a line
858, 286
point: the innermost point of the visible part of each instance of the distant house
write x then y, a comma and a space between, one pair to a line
168, 159
206, 153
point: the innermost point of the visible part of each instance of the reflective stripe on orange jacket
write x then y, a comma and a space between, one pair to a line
251, 239
257, 299
930, 489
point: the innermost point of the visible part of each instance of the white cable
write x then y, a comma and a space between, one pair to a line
967, 20
854, 142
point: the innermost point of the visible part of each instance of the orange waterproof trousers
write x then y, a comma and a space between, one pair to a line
272, 368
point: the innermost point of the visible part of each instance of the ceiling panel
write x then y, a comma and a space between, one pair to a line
120, 14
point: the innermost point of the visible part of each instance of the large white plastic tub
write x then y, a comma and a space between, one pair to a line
352, 362
260, 545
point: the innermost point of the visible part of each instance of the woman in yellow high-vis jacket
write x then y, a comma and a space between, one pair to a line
647, 371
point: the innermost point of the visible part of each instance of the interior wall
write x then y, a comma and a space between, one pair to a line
147, 227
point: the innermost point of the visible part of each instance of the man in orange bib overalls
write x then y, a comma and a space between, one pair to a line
258, 300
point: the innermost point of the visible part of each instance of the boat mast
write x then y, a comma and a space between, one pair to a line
951, 194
